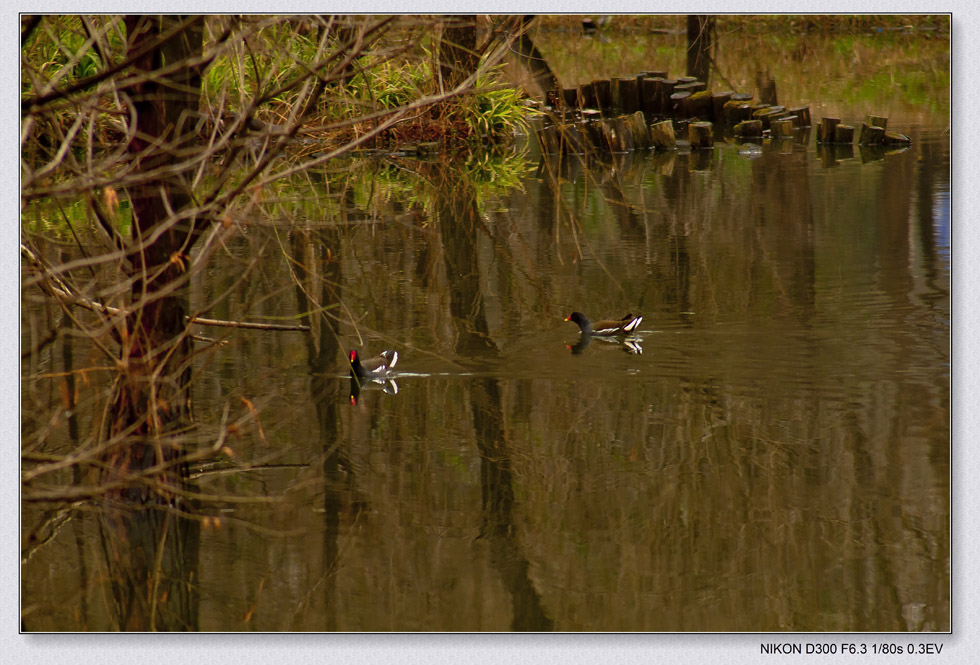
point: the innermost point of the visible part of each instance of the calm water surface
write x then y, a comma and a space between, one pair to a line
771, 452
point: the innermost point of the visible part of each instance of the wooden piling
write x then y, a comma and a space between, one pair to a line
676, 105
699, 105
610, 141
748, 129
570, 97
768, 114
648, 95
548, 140
877, 121
603, 93
718, 100
616, 135
665, 88
700, 135
625, 94
803, 113
586, 93
626, 142
662, 135
693, 87
783, 127
735, 111
592, 124
870, 134
697, 111
637, 126
574, 139
825, 133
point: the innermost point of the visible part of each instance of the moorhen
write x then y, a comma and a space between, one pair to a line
605, 328
376, 369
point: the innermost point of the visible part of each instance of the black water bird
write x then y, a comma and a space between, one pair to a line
372, 373
606, 327
379, 367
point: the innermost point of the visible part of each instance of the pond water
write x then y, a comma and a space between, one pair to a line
769, 452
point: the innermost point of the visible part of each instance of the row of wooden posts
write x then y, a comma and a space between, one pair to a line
612, 114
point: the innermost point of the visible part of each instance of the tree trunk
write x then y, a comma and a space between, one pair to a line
150, 395
699, 29
531, 58
152, 553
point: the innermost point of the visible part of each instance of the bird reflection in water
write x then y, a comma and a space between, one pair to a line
388, 386
628, 345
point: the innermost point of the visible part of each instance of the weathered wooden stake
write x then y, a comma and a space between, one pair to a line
870, 134
695, 86
625, 135
718, 100
825, 133
593, 130
617, 138
803, 113
768, 114
586, 93
625, 94
699, 105
783, 127
603, 93
570, 96
676, 106
648, 95
548, 140
573, 139
735, 111
878, 121
637, 126
662, 135
844, 134
748, 129
665, 88
700, 135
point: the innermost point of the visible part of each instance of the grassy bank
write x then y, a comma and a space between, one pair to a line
757, 23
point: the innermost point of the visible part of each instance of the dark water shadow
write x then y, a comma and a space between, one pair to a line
458, 219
